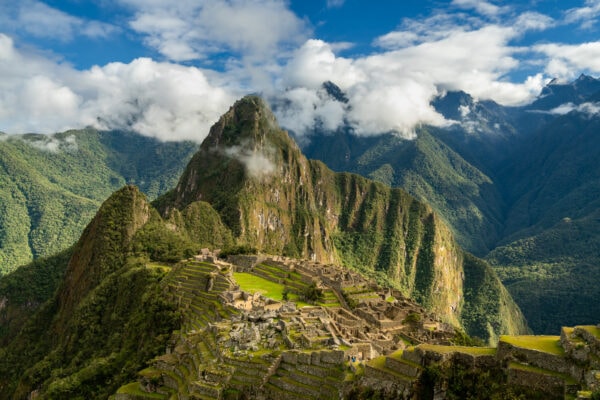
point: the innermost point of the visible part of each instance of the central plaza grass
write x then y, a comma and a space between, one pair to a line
252, 284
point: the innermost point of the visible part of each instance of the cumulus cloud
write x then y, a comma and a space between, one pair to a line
262, 46
163, 100
306, 109
565, 61
391, 91
188, 30
41, 20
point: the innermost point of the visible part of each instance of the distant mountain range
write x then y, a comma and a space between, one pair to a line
518, 185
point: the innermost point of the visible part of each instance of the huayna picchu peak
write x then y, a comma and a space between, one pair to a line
265, 275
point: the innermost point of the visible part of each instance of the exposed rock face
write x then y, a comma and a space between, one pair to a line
274, 199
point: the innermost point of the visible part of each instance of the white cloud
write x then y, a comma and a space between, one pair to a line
392, 90
307, 108
257, 162
587, 15
41, 20
533, 21
483, 7
436, 27
315, 62
163, 100
53, 144
188, 30
389, 90
567, 61
589, 109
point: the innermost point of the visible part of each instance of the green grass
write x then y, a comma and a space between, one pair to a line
547, 344
379, 363
592, 329
252, 284
475, 351
531, 368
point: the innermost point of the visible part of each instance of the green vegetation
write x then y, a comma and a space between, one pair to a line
483, 311
51, 186
521, 185
26, 289
594, 330
547, 344
427, 168
104, 322
253, 284
544, 270
475, 351
312, 294
112, 314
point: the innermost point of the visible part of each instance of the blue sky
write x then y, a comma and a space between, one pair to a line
169, 69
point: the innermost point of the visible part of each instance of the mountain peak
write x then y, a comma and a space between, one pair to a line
246, 146
557, 92
335, 92
249, 119
450, 104
584, 78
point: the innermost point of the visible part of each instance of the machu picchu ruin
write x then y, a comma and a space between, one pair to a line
239, 342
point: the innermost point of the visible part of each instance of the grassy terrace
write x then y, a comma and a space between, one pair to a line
592, 329
547, 344
475, 351
541, 371
252, 284
379, 363
161, 266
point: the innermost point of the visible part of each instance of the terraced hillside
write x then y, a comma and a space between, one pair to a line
234, 342
537, 367
237, 344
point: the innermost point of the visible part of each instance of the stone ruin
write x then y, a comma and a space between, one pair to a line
377, 325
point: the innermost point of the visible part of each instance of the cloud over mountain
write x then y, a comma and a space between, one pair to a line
210, 52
